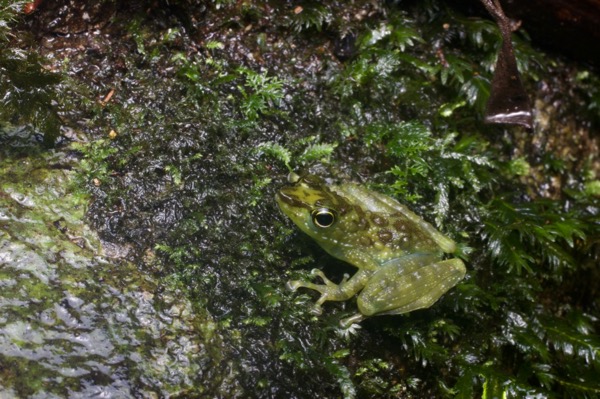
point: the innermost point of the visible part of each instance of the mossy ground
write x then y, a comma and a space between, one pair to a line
189, 116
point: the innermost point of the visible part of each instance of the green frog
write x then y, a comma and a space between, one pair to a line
399, 256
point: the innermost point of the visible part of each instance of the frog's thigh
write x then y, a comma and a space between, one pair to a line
406, 286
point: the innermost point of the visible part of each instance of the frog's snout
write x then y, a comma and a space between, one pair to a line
281, 198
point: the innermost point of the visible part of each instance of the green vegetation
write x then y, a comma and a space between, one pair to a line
8, 12
206, 132
69, 311
29, 91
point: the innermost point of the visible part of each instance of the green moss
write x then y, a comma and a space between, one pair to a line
28, 89
207, 131
69, 313
592, 188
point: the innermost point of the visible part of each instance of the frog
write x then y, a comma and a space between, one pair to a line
401, 258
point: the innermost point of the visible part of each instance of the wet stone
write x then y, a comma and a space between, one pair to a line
76, 324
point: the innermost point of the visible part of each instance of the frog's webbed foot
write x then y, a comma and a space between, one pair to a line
331, 291
293, 285
349, 321
329, 285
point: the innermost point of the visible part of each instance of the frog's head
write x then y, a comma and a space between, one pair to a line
311, 205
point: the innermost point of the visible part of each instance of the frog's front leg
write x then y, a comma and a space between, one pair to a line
331, 291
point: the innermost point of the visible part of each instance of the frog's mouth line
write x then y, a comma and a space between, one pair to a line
291, 200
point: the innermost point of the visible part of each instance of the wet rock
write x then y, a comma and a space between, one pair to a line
74, 322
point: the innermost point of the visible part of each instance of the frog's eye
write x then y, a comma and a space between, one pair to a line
323, 217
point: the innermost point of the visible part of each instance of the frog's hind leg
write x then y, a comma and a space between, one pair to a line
331, 291
405, 286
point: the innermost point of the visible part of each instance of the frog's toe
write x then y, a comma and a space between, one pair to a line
319, 273
317, 310
354, 319
293, 285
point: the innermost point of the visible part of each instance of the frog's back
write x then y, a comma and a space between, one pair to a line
383, 228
